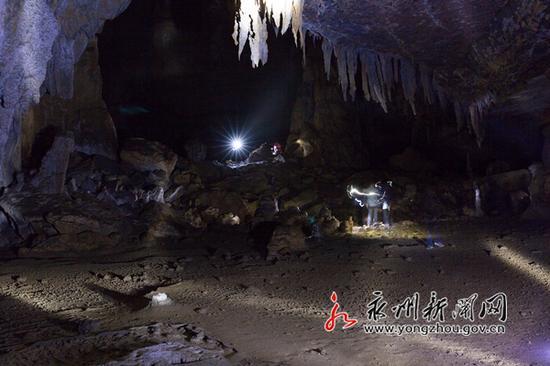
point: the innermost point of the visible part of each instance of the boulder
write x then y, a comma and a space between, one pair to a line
164, 223
330, 225
261, 154
286, 240
519, 201
226, 202
230, 219
539, 191
148, 156
511, 181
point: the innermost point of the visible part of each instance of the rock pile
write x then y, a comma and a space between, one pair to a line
152, 195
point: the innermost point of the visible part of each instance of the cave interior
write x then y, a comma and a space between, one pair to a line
189, 181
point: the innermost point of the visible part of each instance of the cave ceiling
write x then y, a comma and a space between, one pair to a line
473, 46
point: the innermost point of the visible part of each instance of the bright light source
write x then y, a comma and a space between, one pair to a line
237, 144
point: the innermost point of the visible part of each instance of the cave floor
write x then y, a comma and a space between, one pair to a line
272, 313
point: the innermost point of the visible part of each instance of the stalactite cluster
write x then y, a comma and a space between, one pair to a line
251, 25
380, 73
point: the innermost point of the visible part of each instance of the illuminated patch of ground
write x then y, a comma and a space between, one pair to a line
402, 230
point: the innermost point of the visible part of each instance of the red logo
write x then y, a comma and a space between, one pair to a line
330, 324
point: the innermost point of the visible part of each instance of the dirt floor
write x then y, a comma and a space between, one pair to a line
87, 311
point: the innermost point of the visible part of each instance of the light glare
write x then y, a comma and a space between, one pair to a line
237, 144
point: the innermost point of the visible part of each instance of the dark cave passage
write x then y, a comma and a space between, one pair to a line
171, 74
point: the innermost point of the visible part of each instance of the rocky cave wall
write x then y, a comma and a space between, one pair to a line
84, 116
40, 43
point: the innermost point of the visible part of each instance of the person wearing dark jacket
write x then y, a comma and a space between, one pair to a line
376, 197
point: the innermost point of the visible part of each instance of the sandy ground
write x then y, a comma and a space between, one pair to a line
272, 313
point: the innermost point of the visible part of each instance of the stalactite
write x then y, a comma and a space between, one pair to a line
426, 79
365, 77
408, 81
352, 72
370, 59
251, 25
327, 55
341, 57
386, 65
278, 10
477, 112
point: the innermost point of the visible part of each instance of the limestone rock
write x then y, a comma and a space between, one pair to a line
164, 222
85, 114
41, 55
53, 221
285, 240
261, 154
53, 170
539, 191
148, 156
226, 202
511, 181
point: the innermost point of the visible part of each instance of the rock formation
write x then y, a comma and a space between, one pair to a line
40, 43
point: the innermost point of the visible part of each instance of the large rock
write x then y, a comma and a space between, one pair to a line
225, 202
56, 221
148, 156
53, 170
539, 191
165, 223
511, 181
286, 240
